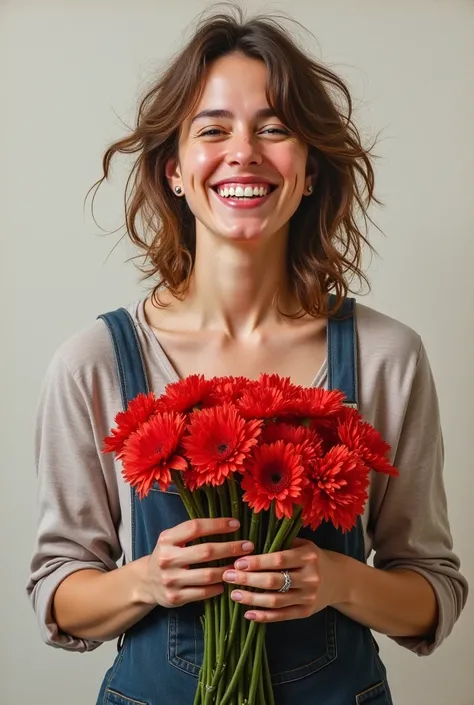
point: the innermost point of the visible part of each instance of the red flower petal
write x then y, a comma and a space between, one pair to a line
363, 438
218, 442
139, 410
228, 390
337, 490
314, 402
190, 393
151, 452
274, 473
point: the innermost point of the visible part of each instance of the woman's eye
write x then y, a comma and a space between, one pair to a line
276, 131
212, 132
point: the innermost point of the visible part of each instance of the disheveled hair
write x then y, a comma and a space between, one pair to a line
327, 232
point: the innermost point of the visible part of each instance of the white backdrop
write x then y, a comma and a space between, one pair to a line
70, 72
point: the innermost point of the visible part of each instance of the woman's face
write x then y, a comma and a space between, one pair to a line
242, 172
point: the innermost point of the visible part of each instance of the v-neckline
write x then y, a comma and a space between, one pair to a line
170, 370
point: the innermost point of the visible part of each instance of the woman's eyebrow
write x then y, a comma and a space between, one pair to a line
263, 113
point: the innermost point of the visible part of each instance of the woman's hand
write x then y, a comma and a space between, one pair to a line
316, 582
169, 579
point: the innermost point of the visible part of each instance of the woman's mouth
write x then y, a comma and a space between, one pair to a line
238, 195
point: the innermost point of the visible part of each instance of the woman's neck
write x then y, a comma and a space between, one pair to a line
239, 288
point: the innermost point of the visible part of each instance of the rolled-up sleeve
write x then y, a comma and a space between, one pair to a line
78, 512
412, 529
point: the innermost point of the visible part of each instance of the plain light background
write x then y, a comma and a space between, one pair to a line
70, 74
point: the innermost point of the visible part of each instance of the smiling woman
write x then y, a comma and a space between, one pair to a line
243, 105
249, 199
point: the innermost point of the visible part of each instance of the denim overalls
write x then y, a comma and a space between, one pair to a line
326, 659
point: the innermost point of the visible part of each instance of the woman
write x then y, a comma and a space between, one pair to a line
247, 182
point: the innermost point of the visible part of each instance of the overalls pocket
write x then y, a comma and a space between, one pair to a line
112, 697
375, 695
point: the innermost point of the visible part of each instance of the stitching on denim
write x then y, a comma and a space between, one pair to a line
319, 663
173, 658
124, 697
139, 348
113, 672
367, 691
109, 323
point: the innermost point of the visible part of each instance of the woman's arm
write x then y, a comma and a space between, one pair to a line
97, 606
101, 606
399, 603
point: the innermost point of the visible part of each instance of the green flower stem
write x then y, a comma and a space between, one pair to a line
224, 607
186, 495
269, 698
282, 532
261, 683
243, 658
257, 665
294, 531
211, 501
246, 636
272, 524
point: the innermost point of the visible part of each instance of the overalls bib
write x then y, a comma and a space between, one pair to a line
325, 659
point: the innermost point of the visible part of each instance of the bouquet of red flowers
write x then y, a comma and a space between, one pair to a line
268, 453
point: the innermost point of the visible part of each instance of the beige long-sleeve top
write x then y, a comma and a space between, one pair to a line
84, 503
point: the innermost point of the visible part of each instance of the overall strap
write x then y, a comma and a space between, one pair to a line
342, 352
128, 355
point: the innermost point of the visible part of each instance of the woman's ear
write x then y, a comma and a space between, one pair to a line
312, 169
173, 175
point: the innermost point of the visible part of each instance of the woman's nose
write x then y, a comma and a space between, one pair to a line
243, 150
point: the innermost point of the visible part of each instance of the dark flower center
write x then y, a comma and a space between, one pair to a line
276, 476
223, 449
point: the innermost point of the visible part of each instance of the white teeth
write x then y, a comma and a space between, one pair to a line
243, 192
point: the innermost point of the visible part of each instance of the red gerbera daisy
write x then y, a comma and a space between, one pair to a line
152, 451
284, 384
306, 442
219, 441
315, 402
274, 473
337, 490
139, 410
228, 390
364, 439
192, 392
263, 402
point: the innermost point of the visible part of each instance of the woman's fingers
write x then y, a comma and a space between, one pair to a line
282, 615
194, 529
281, 560
197, 577
206, 552
178, 598
264, 581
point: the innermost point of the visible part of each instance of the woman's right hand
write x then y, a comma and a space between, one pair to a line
171, 582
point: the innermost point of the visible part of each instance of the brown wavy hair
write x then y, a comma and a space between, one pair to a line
327, 232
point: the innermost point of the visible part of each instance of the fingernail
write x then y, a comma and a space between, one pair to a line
242, 565
237, 596
247, 546
234, 523
230, 575
250, 615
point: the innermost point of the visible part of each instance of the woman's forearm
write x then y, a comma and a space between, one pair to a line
100, 606
399, 602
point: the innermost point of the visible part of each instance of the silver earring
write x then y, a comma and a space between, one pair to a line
178, 190
310, 188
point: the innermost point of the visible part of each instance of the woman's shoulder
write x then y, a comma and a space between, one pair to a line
384, 337
88, 350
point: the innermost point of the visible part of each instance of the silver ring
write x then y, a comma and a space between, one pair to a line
287, 583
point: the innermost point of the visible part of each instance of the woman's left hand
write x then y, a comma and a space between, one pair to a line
316, 582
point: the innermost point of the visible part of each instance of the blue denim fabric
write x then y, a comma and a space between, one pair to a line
326, 659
